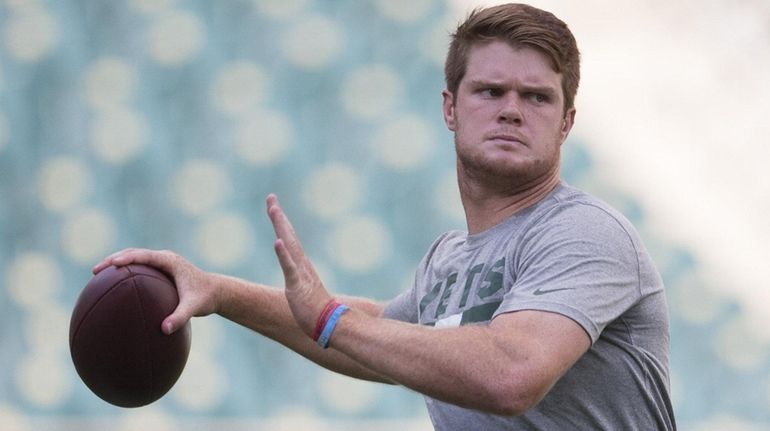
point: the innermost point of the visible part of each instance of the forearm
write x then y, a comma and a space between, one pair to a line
463, 366
504, 367
265, 310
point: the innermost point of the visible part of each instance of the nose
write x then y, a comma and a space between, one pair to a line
510, 110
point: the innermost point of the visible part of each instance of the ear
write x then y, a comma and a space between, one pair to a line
567, 123
448, 108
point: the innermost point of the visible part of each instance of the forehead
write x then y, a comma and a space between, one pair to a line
499, 61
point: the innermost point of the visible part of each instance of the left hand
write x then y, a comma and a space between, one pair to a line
304, 290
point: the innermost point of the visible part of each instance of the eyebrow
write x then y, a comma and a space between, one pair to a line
526, 88
545, 90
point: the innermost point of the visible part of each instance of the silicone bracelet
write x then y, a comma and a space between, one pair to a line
324, 317
323, 340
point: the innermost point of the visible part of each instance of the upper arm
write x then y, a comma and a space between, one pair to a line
540, 346
581, 262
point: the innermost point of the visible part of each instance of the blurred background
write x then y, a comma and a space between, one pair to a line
165, 123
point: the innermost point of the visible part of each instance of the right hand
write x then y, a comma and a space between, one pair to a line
197, 295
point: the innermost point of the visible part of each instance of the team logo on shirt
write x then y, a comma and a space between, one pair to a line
483, 287
540, 291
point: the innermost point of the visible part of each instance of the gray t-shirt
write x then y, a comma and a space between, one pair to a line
570, 254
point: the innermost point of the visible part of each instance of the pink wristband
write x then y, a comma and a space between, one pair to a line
324, 317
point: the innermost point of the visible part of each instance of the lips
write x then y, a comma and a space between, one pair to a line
505, 137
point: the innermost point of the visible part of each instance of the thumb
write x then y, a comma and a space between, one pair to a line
177, 319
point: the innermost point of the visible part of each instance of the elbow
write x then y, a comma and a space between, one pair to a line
513, 400
507, 406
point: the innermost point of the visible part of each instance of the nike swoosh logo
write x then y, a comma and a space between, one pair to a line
540, 291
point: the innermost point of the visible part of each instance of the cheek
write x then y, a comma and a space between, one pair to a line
549, 126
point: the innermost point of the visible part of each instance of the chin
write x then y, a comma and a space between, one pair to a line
506, 170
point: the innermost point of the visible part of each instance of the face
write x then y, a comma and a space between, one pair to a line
508, 115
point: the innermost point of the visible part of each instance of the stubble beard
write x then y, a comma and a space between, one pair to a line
523, 172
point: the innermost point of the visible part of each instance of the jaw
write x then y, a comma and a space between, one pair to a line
501, 165
507, 177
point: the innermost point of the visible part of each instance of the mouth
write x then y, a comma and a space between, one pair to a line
506, 139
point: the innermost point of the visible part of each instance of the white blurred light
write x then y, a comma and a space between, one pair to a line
64, 183
372, 91
724, 422
203, 384
264, 137
404, 11
200, 185
13, 420
435, 41
695, 300
44, 379
148, 418
313, 42
30, 33
118, 135
447, 197
239, 87
359, 244
176, 37
22, 5
224, 240
346, 394
405, 142
332, 190
281, 9
294, 418
46, 329
152, 7
674, 116
4, 132
88, 235
209, 335
33, 279
109, 82
736, 346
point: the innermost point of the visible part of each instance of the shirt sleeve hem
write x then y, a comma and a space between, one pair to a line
576, 315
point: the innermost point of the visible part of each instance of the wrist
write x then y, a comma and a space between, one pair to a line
222, 292
327, 322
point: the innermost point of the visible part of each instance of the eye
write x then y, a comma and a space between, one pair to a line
491, 92
538, 98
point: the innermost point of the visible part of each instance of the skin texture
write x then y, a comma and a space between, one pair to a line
509, 125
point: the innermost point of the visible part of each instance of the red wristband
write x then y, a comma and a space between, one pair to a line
324, 317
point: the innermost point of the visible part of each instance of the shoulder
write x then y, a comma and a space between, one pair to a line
447, 241
572, 211
570, 222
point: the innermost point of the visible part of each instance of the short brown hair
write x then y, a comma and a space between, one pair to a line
518, 25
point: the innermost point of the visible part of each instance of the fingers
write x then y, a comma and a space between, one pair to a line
282, 226
108, 261
162, 260
288, 266
304, 290
197, 297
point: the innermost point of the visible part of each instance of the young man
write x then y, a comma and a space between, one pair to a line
547, 314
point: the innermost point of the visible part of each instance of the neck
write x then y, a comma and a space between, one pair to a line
486, 206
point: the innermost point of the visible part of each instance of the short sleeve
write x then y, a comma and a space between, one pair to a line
578, 260
403, 307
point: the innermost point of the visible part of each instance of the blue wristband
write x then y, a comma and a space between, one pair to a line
323, 340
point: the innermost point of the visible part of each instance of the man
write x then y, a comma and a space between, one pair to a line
548, 314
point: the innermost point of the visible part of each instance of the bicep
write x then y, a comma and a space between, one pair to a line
543, 344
